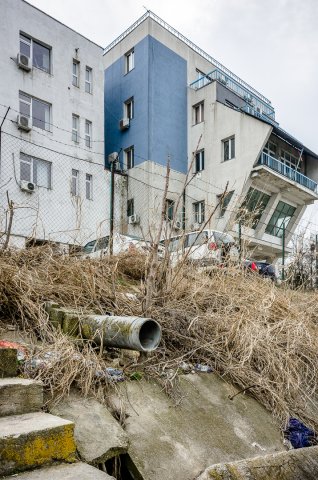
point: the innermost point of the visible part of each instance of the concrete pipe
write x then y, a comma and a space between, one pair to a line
135, 333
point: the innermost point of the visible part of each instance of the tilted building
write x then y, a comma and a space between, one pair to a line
166, 99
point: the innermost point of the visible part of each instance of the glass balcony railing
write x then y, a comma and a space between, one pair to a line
287, 171
252, 100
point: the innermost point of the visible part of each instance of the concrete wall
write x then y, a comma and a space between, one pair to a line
52, 213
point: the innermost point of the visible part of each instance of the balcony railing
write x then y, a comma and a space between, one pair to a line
288, 172
246, 94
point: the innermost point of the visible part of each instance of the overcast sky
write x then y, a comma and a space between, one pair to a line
271, 44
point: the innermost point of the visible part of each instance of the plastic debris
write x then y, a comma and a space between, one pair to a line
299, 435
21, 351
203, 368
110, 374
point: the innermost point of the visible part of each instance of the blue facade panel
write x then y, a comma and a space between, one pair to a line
158, 84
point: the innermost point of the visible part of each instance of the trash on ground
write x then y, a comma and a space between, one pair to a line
203, 368
21, 350
299, 435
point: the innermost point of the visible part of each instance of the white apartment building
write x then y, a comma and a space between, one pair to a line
52, 145
165, 98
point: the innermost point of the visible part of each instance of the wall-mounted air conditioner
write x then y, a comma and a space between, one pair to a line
133, 219
124, 124
24, 123
178, 225
27, 186
24, 62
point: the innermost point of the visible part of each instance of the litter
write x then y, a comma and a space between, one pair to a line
21, 351
203, 368
112, 374
299, 435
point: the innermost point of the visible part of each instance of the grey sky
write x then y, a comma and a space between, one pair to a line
271, 44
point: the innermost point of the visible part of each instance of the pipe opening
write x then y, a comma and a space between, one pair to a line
150, 335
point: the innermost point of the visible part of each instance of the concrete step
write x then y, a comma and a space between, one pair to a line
19, 395
76, 471
34, 439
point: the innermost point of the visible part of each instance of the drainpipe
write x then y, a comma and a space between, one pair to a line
135, 333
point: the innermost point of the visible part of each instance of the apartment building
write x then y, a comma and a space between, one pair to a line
233, 167
52, 149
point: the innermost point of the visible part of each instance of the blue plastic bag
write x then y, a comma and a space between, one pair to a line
299, 435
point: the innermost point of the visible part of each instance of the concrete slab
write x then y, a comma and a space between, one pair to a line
300, 464
75, 471
34, 439
180, 442
98, 435
20, 395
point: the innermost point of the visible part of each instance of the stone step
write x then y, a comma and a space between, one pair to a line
20, 395
34, 439
75, 471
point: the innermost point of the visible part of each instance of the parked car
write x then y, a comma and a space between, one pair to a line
264, 269
121, 243
203, 248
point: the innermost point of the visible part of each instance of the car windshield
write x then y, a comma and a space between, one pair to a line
196, 239
88, 248
223, 238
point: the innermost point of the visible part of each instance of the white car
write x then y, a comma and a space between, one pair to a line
121, 243
204, 248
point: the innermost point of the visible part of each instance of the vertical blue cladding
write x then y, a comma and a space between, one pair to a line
158, 84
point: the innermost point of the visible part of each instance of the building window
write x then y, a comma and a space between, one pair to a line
130, 207
129, 157
88, 133
40, 54
228, 149
198, 113
290, 160
224, 202
88, 80
169, 213
37, 110
129, 61
35, 170
199, 212
75, 183
89, 186
129, 108
253, 207
199, 161
75, 76
75, 128
280, 219
271, 149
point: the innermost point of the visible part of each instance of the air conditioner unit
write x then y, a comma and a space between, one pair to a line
24, 62
24, 123
133, 219
196, 226
27, 186
124, 124
178, 225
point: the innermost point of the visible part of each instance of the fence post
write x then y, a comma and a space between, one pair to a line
283, 253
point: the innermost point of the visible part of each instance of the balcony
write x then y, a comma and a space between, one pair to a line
287, 172
254, 102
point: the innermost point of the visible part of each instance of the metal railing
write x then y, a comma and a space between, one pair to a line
255, 104
173, 31
287, 171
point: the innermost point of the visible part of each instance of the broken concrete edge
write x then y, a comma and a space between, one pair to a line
8, 362
300, 464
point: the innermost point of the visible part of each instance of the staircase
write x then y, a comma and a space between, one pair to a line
39, 444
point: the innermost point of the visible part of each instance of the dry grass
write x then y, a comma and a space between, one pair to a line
251, 332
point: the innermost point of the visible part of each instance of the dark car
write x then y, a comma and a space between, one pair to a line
263, 268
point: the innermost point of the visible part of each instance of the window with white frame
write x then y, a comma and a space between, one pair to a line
35, 170
199, 212
89, 186
129, 60
75, 128
199, 161
75, 183
198, 113
290, 160
88, 80
75, 73
271, 149
228, 148
37, 110
88, 133
129, 157
40, 54
129, 108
